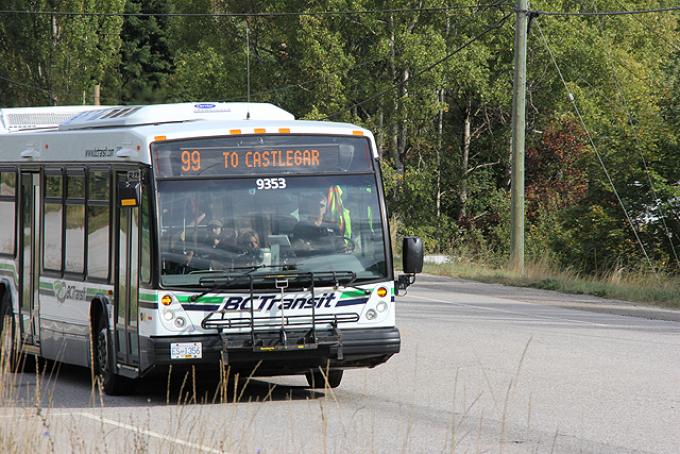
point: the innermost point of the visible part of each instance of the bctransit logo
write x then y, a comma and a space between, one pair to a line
60, 290
268, 302
65, 292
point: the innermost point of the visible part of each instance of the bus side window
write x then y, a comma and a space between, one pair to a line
75, 223
98, 223
8, 180
53, 220
145, 241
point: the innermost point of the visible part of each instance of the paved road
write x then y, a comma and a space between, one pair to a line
483, 368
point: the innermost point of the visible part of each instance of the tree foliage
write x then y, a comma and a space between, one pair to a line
438, 104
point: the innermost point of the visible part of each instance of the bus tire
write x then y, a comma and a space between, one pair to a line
317, 379
111, 383
8, 332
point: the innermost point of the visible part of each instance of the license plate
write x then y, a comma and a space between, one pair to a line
186, 350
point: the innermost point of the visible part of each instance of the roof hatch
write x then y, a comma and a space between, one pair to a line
170, 113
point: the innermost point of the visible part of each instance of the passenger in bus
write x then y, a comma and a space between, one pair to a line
249, 242
217, 237
197, 211
177, 257
312, 234
192, 236
215, 249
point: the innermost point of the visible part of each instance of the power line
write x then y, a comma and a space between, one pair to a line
20, 84
355, 67
604, 13
663, 37
453, 7
424, 70
572, 100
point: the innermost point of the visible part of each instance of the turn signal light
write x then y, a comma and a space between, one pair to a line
382, 292
166, 300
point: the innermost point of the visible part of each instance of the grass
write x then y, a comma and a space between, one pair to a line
29, 421
655, 289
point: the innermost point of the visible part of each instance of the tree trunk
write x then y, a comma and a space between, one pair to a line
394, 126
403, 133
380, 142
440, 134
465, 160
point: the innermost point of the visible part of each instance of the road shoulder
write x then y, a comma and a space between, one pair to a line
567, 300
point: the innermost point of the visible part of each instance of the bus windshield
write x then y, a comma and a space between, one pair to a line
304, 223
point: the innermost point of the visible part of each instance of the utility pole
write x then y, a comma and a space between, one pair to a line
518, 130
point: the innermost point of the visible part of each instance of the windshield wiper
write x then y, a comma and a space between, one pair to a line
335, 277
365, 291
350, 283
224, 279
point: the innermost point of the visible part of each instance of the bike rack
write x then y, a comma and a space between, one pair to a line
270, 325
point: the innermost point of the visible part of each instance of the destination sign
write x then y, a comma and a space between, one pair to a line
282, 155
194, 160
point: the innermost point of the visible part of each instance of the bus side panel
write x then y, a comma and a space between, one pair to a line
60, 346
64, 319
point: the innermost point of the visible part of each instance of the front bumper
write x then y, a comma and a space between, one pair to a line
352, 348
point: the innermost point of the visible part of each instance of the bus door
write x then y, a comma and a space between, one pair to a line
30, 256
127, 275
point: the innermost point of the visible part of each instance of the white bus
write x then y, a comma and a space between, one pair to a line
195, 234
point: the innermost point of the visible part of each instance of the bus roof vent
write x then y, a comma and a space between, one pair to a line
172, 113
31, 118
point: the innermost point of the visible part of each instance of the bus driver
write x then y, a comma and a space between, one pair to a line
312, 234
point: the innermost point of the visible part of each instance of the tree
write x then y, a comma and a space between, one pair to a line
74, 54
146, 55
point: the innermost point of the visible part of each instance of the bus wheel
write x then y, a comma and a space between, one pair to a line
111, 383
7, 330
317, 379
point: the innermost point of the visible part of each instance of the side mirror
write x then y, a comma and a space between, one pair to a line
129, 193
412, 255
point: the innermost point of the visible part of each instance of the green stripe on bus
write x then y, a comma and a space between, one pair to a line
353, 294
148, 297
6, 266
46, 285
95, 291
203, 299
